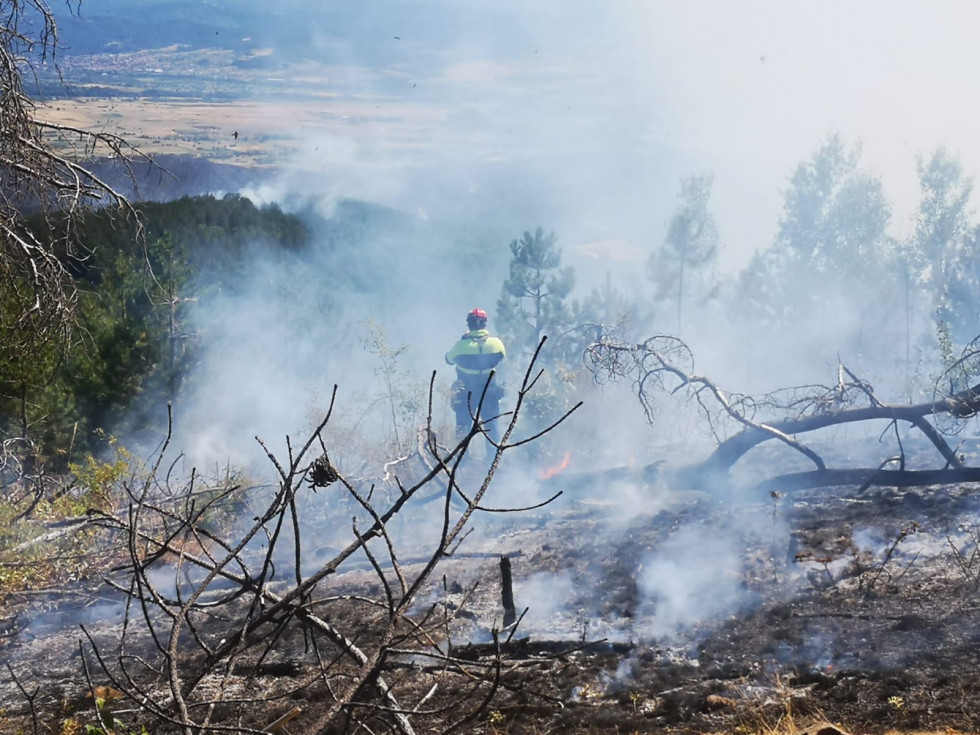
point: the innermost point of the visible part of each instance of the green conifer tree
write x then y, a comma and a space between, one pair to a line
532, 302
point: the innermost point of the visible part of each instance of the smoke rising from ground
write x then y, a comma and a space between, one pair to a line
694, 578
475, 122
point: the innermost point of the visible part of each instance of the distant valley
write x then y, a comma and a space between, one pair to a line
237, 87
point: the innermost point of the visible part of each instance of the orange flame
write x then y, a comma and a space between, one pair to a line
549, 472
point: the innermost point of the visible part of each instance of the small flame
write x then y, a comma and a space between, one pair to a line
549, 472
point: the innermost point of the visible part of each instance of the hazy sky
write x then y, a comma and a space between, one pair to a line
755, 85
582, 116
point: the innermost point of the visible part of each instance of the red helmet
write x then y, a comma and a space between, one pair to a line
476, 319
477, 314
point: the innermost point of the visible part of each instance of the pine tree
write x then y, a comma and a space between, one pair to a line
532, 302
682, 267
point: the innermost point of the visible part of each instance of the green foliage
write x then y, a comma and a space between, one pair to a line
947, 350
682, 268
404, 396
604, 310
29, 560
95, 476
944, 251
941, 224
35, 557
533, 304
805, 231
832, 281
959, 302
533, 299
105, 720
831, 240
33, 352
130, 347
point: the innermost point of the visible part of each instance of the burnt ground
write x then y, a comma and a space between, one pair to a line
823, 605
647, 611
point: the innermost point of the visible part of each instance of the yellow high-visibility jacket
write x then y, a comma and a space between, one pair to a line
476, 354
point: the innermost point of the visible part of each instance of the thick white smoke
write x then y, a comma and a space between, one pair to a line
476, 121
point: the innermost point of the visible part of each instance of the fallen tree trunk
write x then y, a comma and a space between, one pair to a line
962, 404
663, 365
706, 476
867, 477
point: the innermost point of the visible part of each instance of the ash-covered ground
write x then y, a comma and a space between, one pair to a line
645, 609
824, 605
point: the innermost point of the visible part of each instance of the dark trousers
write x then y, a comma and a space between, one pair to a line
467, 392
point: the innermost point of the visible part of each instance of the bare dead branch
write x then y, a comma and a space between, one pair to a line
665, 363
231, 585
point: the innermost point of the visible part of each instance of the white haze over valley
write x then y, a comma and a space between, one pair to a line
581, 117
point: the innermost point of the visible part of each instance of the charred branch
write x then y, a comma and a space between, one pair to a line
234, 601
868, 477
507, 592
526, 648
964, 403
663, 366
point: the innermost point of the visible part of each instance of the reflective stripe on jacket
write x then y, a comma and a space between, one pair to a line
476, 353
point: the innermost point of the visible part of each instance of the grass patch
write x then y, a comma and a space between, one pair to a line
72, 533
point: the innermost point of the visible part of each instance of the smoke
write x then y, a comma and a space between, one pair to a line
545, 597
714, 565
495, 117
463, 124
583, 115
692, 579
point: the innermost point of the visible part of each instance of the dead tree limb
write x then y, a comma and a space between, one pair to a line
731, 450
663, 365
233, 599
867, 477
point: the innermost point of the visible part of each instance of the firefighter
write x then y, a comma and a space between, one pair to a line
475, 356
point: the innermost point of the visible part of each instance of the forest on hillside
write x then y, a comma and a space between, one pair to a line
127, 346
